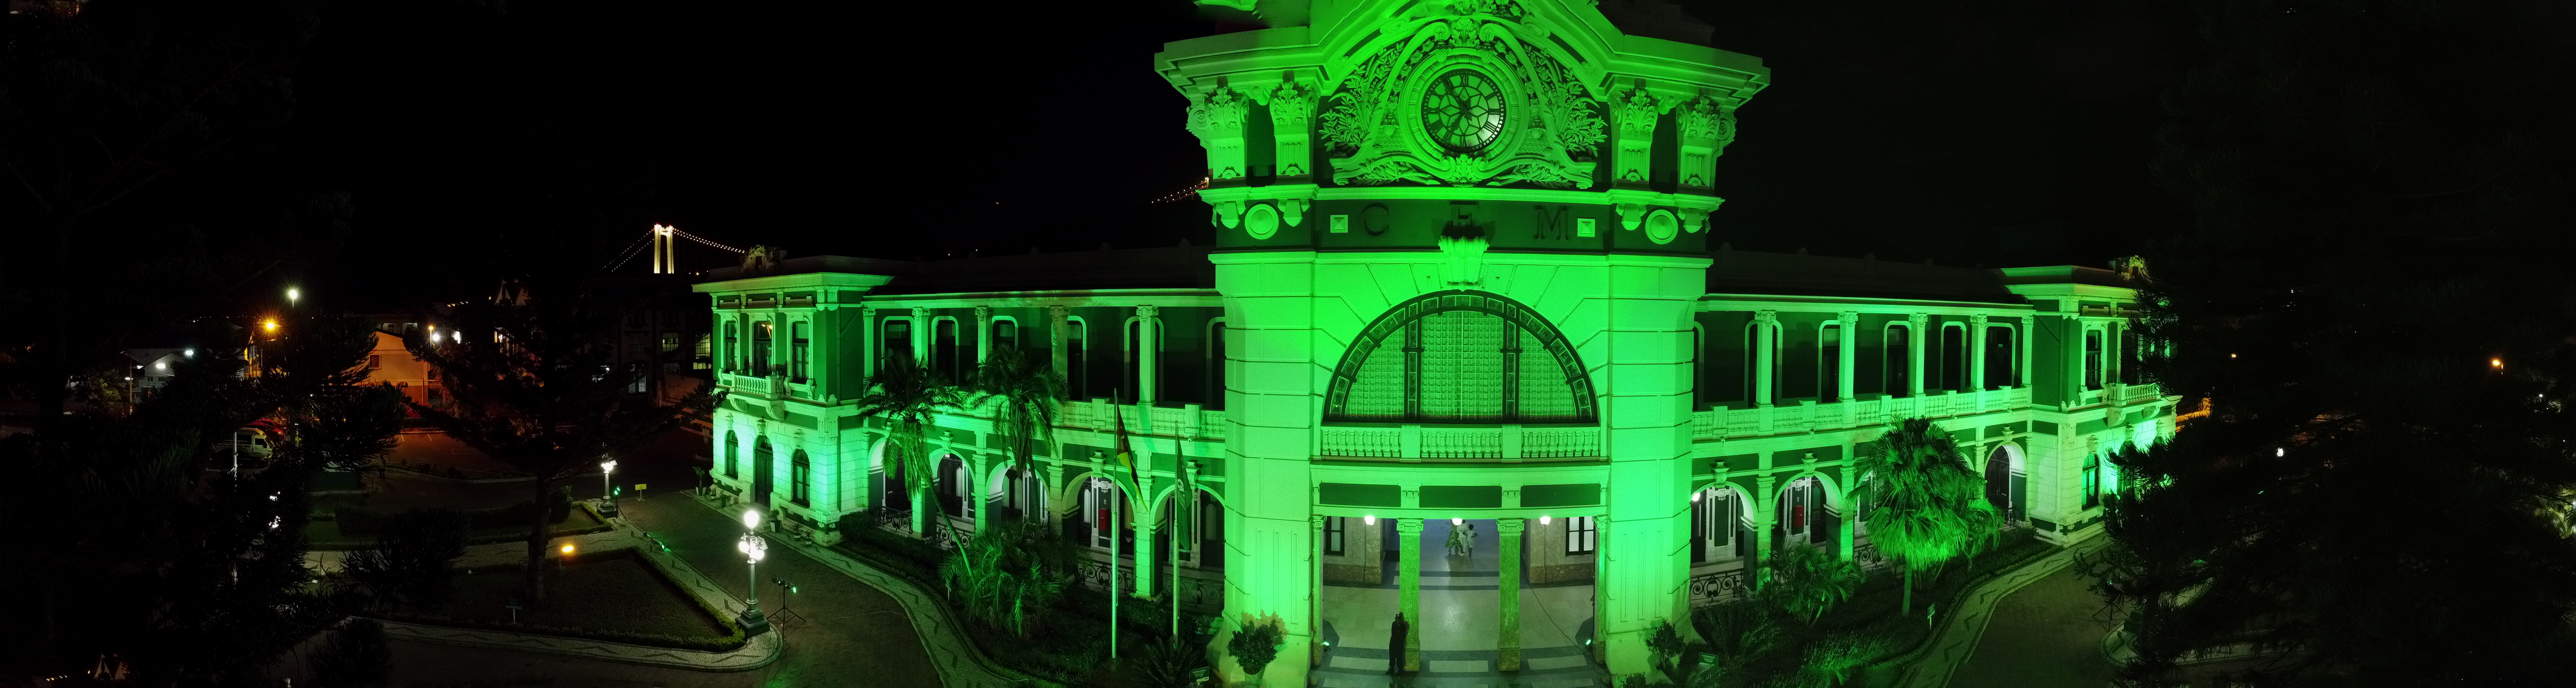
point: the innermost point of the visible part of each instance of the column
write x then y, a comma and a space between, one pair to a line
1915, 326
983, 334
1977, 352
868, 345
1055, 339
1848, 355
1764, 323
1148, 352
2111, 353
1844, 538
1146, 515
2073, 362
2029, 332
921, 335
1766, 514
1408, 567
979, 467
1510, 642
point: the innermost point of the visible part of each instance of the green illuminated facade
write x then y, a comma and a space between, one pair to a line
1463, 270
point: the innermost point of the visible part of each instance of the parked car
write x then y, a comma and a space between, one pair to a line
251, 442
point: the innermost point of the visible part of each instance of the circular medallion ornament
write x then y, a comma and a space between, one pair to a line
1261, 221
1661, 227
1463, 111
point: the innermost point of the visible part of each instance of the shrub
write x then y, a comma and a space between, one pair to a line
1255, 645
355, 656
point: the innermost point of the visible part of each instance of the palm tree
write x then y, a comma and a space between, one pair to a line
1923, 504
1806, 582
1028, 393
909, 394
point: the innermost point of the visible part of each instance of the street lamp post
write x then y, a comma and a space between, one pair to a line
752, 548
607, 494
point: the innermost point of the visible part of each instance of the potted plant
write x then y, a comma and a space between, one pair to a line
1254, 646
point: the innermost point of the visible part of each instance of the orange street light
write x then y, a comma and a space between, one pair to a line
269, 325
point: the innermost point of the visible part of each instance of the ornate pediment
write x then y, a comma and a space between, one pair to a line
1467, 100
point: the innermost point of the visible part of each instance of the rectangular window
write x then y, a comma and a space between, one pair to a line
1333, 536
670, 342
701, 353
799, 353
1580, 535
760, 333
733, 458
373, 362
732, 345
799, 478
896, 343
2093, 359
2092, 481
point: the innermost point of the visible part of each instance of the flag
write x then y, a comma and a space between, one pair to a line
1126, 455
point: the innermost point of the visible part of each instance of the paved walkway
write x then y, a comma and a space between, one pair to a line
1956, 640
960, 664
2049, 633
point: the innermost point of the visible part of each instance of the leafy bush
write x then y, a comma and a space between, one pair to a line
1806, 582
1255, 645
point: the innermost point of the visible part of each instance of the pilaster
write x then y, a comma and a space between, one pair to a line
1290, 106
1217, 117
1977, 352
983, 334
1765, 326
1148, 353
921, 335
1847, 357
1635, 110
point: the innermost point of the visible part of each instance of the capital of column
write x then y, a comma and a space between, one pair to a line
1509, 527
1918, 320
1978, 321
1057, 312
983, 313
920, 313
869, 312
1148, 312
1408, 526
1767, 317
1849, 319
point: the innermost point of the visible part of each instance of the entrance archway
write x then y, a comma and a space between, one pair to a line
1461, 622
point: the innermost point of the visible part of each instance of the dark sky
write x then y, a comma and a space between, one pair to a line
920, 130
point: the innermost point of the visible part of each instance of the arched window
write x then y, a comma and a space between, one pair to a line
733, 454
1006, 335
2003, 369
1460, 356
1898, 338
1829, 362
1954, 357
1077, 365
800, 480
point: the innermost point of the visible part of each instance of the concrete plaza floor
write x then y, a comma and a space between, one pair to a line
1460, 624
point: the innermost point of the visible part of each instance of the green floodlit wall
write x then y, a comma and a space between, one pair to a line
1463, 271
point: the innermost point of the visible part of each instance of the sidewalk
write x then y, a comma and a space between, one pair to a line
2049, 633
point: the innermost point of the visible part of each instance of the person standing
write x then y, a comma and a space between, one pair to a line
1395, 646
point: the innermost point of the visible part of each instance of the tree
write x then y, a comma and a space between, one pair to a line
1922, 503
1027, 395
187, 573
411, 564
2371, 297
908, 393
999, 577
534, 384
1806, 582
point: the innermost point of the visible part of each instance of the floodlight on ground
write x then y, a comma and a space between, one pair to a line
567, 549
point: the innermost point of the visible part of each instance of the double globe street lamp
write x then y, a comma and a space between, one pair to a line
607, 493
753, 548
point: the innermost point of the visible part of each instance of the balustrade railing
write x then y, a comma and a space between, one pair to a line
1725, 422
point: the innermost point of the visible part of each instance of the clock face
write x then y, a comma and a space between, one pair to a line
1463, 111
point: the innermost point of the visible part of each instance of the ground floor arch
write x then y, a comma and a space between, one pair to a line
2004, 483
1465, 590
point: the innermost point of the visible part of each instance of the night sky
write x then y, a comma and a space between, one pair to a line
910, 130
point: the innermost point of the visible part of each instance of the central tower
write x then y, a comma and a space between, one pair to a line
1459, 243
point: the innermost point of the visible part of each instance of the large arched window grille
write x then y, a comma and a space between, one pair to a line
1461, 357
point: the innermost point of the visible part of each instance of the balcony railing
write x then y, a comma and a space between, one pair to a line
1755, 422
1461, 443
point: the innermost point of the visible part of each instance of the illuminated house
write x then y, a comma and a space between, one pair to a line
1463, 271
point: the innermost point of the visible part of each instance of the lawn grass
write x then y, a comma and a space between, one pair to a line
615, 596
327, 535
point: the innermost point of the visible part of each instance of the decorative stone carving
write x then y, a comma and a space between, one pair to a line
1466, 259
1706, 129
1468, 101
1767, 318
1637, 109
1290, 105
1217, 118
1849, 320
